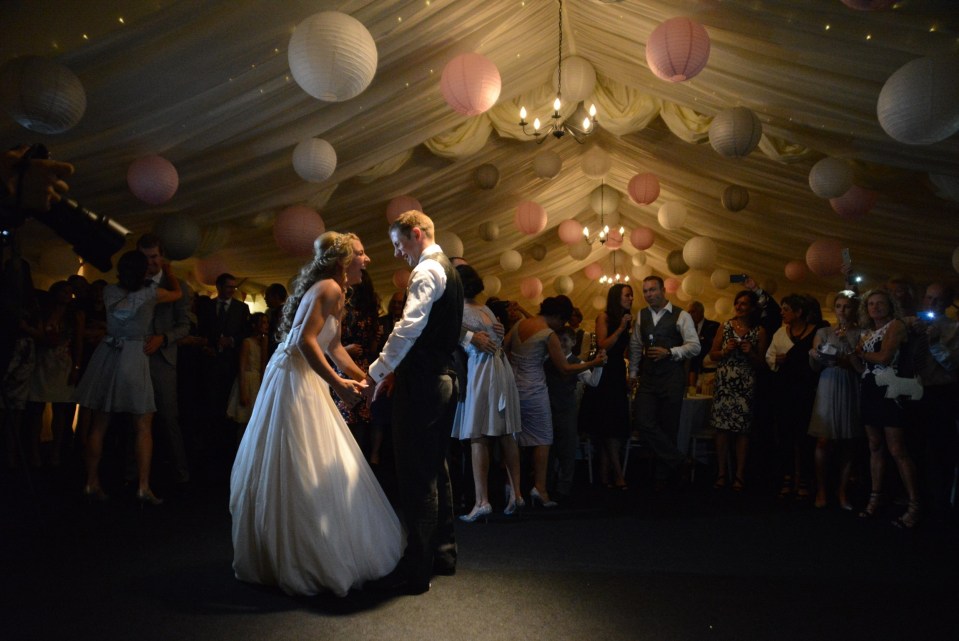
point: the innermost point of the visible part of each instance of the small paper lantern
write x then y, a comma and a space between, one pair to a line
180, 236
919, 104
450, 243
41, 95
579, 79
614, 240
570, 231
59, 262
510, 260
332, 56
563, 285
824, 257
604, 200
489, 231
639, 258
671, 284
593, 271
314, 160
153, 179
209, 267
401, 278
830, 178
682, 295
675, 262
580, 251
401, 205
695, 283
796, 270
538, 251
699, 252
470, 84
642, 237
595, 162
491, 285
677, 49
296, 228
724, 307
641, 271
547, 164
599, 302
735, 198
719, 278
531, 288
672, 215
530, 217
643, 188
854, 204
735, 132
486, 176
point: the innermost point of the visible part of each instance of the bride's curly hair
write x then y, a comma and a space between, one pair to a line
332, 252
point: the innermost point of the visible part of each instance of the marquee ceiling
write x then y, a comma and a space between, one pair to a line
207, 85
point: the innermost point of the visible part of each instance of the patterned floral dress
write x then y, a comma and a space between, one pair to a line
735, 391
360, 329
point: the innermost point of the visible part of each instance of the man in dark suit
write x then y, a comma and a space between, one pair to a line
414, 367
706, 329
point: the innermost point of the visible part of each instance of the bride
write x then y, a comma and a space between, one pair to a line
308, 514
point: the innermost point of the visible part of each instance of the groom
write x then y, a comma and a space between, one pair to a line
414, 367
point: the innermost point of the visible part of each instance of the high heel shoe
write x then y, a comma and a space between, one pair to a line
535, 497
479, 511
95, 494
147, 497
872, 507
910, 518
514, 506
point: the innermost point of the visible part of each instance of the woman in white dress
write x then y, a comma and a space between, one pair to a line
308, 514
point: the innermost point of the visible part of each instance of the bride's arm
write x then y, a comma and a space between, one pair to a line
322, 300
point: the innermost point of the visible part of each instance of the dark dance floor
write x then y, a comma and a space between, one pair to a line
695, 564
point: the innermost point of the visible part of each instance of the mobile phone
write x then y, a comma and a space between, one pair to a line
737, 278
846, 257
929, 315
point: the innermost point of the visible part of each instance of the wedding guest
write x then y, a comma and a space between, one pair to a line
253, 359
275, 295
699, 367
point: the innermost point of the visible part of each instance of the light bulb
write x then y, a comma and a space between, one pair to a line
605, 229
586, 232
592, 111
536, 124
556, 104
586, 124
522, 113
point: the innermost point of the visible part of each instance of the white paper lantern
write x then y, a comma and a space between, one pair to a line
314, 160
486, 176
296, 228
41, 95
570, 231
401, 205
639, 258
643, 188
614, 240
538, 251
450, 243
510, 260
531, 288
699, 252
470, 84
579, 79
919, 104
401, 278
735, 132
153, 179
724, 307
641, 271
735, 198
489, 231
563, 285
675, 262
491, 285
599, 302
580, 251
719, 278
830, 178
595, 162
604, 200
179, 234
678, 49
695, 283
672, 215
530, 218
332, 56
547, 164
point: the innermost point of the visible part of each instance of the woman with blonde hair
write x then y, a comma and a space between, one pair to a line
308, 514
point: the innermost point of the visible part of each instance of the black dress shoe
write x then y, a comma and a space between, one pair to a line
396, 582
444, 568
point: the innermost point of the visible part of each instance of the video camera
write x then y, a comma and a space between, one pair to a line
95, 238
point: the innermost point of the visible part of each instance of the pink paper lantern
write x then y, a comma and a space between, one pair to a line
854, 204
677, 50
796, 270
614, 240
530, 217
401, 205
470, 84
401, 278
824, 257
531, 288
642, 238
153, 179
209, 267
672, 285
296, 228
570, 231
643, 188
593, 271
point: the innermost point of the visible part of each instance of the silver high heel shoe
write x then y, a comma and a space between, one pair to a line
514, 506
480, 511
535, 497
147, 497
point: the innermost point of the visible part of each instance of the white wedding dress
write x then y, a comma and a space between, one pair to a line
308, 514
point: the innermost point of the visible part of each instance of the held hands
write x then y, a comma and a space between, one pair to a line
483, 342
385, 386
152, 344
600, 358
352, 392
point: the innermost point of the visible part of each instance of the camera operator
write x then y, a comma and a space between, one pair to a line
32, 183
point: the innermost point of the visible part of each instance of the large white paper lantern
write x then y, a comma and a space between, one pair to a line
401, 205
830, 178
563, 285
491, 285
314, 160
796, 271
510, 260
735, 132
179, 234
855, 203
724, 307
579, 79
735, 198
531, 288
824, 257
678, 49
570, 231
489, 231
699, 252
639, 258
695, 283
296, 228
672, 215
486, 176
643, 188
580, 251
547, 164
604, 200
153, 179
593, 271
450, 243
401, 278
332, 56
642, 237
595, 162
538, 251
719, 278
41, 95
919, 104
530, 217
675, 262
641, 271
470, 84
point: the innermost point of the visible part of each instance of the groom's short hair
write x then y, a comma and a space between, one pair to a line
406, 221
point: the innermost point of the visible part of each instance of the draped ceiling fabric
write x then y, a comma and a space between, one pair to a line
206, 84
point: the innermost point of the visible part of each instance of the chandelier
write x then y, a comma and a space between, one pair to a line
616, 277
603, 235
559, 127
